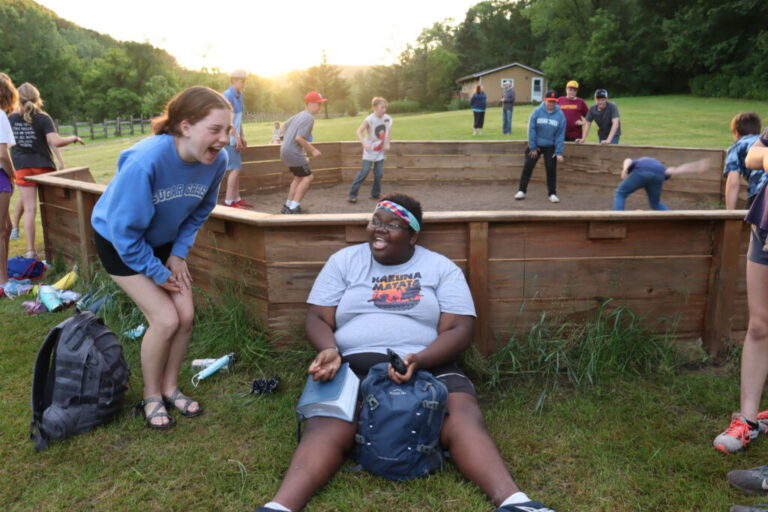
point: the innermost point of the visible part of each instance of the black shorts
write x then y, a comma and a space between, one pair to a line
301, 171
756, 253
112, 262
449, 374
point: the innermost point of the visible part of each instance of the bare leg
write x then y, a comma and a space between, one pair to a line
302, 187
317, 458
163, 319
473, 451
16, 220
754, 357
293, 187
5, 233
233, 185
185, 309
29, 199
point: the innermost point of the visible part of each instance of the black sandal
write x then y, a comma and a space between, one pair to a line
170, 404
157, 412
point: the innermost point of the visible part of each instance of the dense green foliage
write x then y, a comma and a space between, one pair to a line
631, 47
708, 47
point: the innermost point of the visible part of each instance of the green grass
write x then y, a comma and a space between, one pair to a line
685, 121
622, 426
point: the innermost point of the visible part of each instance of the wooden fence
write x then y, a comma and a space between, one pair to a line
107, 128
681, 270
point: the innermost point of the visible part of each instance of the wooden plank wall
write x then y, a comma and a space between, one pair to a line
593, 165
683, 271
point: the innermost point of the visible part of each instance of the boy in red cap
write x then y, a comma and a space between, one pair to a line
297, 132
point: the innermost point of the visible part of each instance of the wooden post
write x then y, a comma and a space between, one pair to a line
722, 285
74, 125
118, 129
90, 125
106, 133
84, 229
141, 124
477, 268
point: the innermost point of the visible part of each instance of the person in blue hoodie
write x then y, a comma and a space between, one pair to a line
145, 224
546, 134
478, 104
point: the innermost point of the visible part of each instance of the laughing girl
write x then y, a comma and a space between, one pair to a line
145, 224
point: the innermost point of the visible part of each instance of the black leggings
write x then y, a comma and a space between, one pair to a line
479, 119
550, 162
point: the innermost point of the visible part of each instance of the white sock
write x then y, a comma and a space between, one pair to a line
518, 497
293, 204
238, 199
288, 203
228, 202
275, 505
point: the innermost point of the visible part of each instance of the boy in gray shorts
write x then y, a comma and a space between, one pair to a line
297, 132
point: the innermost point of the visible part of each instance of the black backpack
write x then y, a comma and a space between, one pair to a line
80, 379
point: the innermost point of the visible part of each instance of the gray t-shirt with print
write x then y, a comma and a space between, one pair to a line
291, 152
389, 306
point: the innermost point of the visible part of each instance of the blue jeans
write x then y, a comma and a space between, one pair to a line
378, 173
506, 121
652, 182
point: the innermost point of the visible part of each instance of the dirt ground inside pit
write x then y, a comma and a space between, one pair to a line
469, 196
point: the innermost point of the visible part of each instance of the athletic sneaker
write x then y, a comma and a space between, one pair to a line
738, 435
297, 211
748, 508
14, 233
235, 204
528, 506
285, 209
244, 204
520, 195
266, 509
750, 481
352, 199
554, 199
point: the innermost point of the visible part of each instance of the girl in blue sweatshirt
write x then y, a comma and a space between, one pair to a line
546, 133
145, 224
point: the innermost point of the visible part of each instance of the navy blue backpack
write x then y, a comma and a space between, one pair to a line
398, 431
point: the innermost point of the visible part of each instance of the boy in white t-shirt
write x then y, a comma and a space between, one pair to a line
374, 135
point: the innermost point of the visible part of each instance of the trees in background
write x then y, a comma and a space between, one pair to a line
708, 47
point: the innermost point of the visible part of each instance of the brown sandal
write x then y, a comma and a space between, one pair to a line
157, 412
170, 404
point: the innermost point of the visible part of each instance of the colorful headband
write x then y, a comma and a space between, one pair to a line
401, 212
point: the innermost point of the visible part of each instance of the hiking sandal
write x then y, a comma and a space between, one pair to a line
170, 404
157, 412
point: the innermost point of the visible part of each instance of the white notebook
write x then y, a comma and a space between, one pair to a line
335, 398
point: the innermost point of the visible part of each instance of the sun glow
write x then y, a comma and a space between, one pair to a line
265, 38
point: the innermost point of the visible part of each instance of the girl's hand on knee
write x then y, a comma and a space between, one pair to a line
179, 273
325, 365
169, 286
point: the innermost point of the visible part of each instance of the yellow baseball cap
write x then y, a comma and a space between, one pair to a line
573, 83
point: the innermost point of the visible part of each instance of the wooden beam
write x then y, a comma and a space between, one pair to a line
723, 274
477, 270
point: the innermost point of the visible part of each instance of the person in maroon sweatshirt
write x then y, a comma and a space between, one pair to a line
574, 110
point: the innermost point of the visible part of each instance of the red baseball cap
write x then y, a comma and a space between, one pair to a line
314, 97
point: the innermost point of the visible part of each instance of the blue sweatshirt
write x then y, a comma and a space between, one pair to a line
478, 102
546, 128
156, 198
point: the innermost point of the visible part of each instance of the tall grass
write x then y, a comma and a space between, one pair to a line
611, 343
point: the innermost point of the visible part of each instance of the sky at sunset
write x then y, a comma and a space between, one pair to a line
265, 37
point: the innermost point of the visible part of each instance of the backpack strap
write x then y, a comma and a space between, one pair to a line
42, 384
